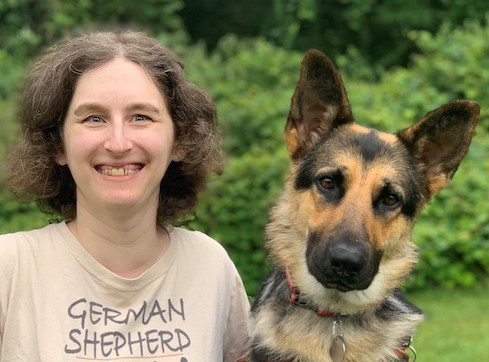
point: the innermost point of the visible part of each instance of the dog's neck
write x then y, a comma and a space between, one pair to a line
297, 300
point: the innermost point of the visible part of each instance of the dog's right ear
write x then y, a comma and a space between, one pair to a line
318, 105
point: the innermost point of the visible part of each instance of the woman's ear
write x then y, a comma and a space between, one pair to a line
178, 153
61, 159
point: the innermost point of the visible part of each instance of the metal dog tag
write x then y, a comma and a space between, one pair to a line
338, 349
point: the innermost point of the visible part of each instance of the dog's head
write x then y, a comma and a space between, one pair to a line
343, 225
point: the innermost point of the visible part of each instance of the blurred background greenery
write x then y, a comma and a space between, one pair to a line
400, 59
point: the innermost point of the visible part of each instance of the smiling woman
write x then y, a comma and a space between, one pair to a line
121, 130
50, 89
119, 144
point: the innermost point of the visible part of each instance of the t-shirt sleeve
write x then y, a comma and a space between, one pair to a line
236, 338
8, 257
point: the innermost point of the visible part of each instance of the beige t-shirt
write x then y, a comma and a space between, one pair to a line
57, 304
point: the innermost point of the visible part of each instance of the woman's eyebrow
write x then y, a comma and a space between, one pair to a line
87, 108
144, 107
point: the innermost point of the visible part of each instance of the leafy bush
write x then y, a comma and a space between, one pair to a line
251, 82
454, 233
236, 208
15, 216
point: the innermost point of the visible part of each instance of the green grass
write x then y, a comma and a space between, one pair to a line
456, 326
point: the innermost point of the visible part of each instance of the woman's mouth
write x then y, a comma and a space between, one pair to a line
119, 171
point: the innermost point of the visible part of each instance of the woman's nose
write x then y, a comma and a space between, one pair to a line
118, 140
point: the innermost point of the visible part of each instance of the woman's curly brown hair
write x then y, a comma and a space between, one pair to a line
32, 168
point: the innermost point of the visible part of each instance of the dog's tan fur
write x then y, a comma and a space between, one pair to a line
375, 320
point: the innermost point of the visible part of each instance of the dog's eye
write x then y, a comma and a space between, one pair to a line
327, 183
390, 200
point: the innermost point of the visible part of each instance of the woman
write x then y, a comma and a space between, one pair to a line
119, 144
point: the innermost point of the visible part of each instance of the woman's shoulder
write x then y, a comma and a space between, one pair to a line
197, 243
199, 254
17, 241
195, 239
32, 233
15, 248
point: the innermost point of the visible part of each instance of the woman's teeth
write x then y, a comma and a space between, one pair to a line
118, 172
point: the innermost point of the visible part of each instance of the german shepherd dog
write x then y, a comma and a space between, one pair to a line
340, 235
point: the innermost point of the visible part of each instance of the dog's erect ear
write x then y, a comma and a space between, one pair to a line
441, 140
319, 104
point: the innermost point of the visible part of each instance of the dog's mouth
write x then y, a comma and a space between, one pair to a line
345, 285
335, 277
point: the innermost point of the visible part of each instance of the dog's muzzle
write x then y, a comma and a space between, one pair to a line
345, 263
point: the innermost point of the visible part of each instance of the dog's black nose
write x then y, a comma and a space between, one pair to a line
347, 259
344, 262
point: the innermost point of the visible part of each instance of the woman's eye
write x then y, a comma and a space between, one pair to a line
141, 118
327, 183
94, 119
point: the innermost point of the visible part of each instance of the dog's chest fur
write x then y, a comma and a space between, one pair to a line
297, 333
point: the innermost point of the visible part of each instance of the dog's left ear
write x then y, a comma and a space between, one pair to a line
318, 105
441, 140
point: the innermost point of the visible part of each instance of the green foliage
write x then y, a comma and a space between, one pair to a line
236, 208
30, 24
453, 232
287, 19
11, 71
10, 131
251, 82
451, 65
15, 216
27, 26
455, 61
379, 29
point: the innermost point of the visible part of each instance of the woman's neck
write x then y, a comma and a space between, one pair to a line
127, 246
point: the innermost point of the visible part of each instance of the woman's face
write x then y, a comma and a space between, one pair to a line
118, 138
